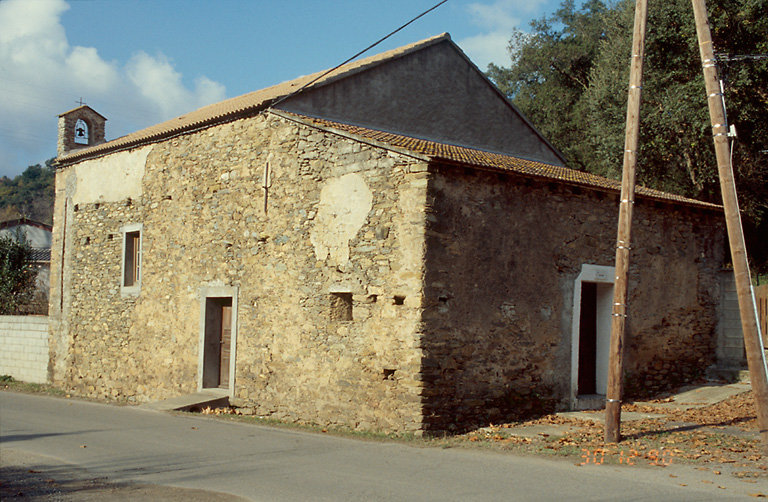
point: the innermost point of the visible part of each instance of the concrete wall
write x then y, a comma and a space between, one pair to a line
341, 217
503, 254
24, 348
730, 340
433, 94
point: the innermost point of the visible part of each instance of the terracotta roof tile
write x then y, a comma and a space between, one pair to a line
233, 108
497, 161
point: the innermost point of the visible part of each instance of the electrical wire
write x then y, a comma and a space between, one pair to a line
740, 57
356, 55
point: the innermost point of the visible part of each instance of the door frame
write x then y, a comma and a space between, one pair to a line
208, 292
589, 273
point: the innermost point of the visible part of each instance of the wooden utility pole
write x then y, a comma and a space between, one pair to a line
752, 342
619, 314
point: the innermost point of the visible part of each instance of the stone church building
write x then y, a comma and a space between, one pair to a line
391, 246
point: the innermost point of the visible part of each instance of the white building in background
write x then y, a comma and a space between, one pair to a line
38, 236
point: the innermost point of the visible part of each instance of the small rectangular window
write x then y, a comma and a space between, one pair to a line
341, 307
131, 272
132, 261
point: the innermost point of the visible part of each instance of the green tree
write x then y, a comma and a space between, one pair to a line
17, 275
550, 71
586, 122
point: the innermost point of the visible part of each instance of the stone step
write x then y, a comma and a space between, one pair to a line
187, 402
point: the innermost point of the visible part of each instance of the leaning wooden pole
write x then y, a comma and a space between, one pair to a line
619, 314
752, 342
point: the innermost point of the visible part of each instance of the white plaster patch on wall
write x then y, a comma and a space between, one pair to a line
112, 178
344, 205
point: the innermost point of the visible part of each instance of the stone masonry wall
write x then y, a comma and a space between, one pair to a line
340, 217
503, 255
24, 348
461, 282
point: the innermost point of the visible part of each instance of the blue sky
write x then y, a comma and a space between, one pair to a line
139, 62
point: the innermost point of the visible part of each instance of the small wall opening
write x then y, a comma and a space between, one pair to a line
340, 307
399, 299
132, 258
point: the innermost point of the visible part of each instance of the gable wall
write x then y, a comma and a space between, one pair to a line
205, 228
503, 255
431, 94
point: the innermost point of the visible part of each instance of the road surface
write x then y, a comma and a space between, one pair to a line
125, 453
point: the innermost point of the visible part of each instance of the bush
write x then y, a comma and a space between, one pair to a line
17, 275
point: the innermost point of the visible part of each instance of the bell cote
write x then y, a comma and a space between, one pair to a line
80, 128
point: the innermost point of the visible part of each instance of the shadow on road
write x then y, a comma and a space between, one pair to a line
25, 478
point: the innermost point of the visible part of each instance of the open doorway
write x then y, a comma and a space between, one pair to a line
218, 342
591, 335
218, 332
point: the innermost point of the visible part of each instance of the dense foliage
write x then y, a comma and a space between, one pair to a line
29, 194
570, 76
17, 275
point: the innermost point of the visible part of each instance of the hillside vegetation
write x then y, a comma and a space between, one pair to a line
29, 194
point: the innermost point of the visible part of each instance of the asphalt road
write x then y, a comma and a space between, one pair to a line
126, 453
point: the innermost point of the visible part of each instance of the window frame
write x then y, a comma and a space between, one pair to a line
127, 231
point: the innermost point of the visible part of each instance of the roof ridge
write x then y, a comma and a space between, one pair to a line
254, 101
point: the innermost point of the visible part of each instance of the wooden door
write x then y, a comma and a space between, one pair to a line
217, 346
225, 341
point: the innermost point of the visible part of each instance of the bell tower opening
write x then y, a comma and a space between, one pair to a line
81, 132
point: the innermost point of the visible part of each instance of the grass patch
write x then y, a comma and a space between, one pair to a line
7, 382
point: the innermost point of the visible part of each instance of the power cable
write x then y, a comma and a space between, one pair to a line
356, 55
727, 58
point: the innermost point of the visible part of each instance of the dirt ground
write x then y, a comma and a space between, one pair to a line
721, 438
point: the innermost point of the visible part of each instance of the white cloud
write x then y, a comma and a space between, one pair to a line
496, 21
41, 75
487, 48
157, 81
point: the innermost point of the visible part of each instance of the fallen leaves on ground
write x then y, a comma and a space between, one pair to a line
715, 436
